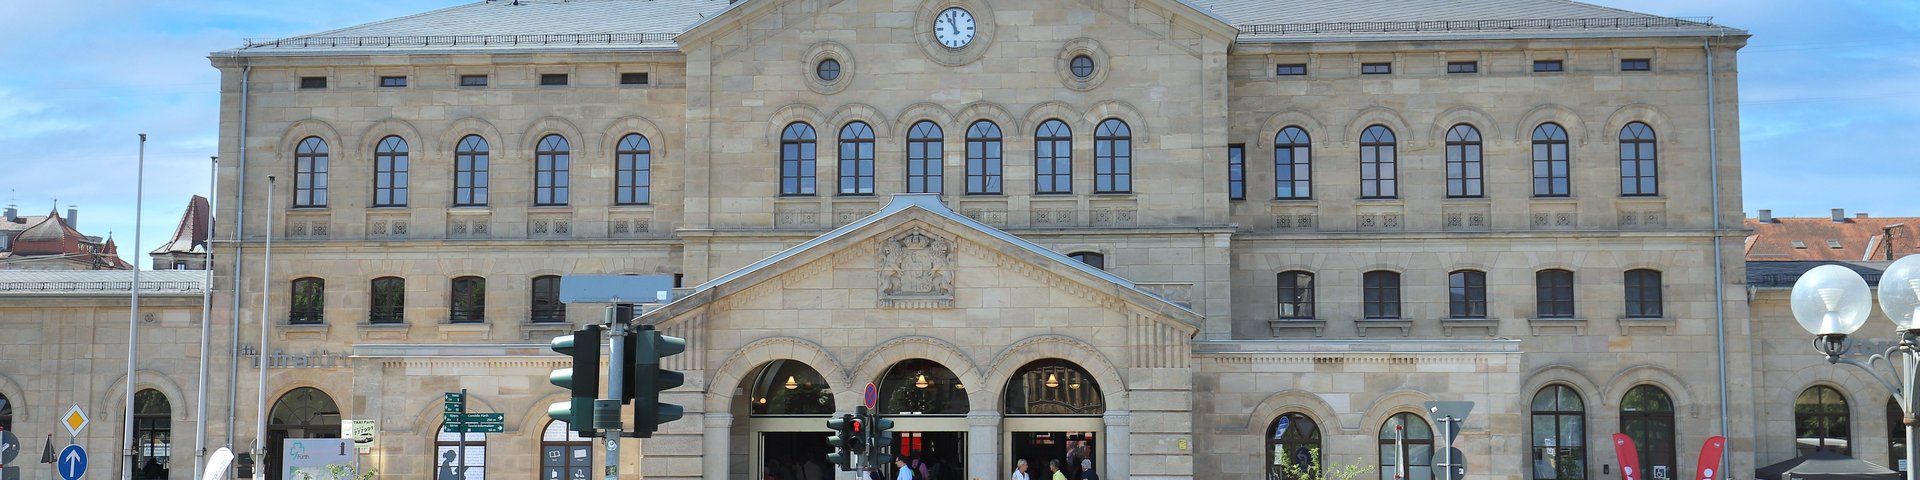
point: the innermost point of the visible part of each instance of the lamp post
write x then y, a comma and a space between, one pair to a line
1832, 302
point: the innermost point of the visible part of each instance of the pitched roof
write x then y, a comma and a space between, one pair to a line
51, 236
1783, 274
650, 25
191, 235
1852, 239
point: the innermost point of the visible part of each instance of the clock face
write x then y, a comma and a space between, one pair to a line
954, 27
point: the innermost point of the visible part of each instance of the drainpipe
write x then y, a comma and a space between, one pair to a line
1719, 263
239, 235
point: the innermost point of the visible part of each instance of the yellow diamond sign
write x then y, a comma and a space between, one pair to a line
74, 420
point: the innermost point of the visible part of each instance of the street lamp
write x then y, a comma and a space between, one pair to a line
1832, 302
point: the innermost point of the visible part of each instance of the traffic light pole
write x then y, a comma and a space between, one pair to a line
616, 382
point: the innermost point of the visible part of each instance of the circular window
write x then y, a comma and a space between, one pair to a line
1082, 66
828, 70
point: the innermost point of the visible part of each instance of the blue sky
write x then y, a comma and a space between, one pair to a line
1830, 93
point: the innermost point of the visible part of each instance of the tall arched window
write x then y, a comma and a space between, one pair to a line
633, 178
1463, 162
470, 160
1821, 421
1646, 416
305, 412
789, 387
552, 160
1639, 169
1467, 294
1112, 157
1643, 293
1053, 387
309, 305
390, 172
1406, 448
856, 159
1379, 163
310, 173
153, 435
469, 302
1553, 292
983, 158
925, 145
1559, 434
1381, 297
797, 157
564, 454
922, 387
1053, 157
1292, 164
389, 300
1293, 443
1550, 170
546, 301
1296, 294
457, 457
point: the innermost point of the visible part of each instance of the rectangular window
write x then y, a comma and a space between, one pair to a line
473, 80
1636, 65
633, 79
1376, 68
1548, 66
469, 303
1553, 291
1290, 69
553, 79
1237, 172
1380, 297
1643, 294
313, 82
393, 81
1296, 295
1463, 67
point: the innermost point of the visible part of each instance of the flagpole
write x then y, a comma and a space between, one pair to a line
133, 317
266, 304
206, 329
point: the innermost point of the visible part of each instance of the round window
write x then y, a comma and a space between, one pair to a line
1082, 66
828, 70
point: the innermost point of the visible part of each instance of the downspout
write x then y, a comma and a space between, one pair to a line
239, 227
1719, 262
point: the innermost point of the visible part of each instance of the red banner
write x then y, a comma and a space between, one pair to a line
1629, 457
1710, 456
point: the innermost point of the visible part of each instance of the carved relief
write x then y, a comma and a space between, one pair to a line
916, 271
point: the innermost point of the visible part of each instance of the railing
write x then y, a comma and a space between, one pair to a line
1769, 280
552, 314
75, 287
386, 314
465, 40
305, 316
1476, 25
474, 314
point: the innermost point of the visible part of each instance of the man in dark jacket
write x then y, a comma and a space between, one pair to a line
1086, 470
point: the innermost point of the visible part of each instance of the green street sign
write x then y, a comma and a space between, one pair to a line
471, 418
456, 402
477, 428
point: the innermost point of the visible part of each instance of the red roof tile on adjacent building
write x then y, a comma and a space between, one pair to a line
1850, 239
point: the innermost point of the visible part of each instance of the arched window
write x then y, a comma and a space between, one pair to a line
551, 164
390, 173
1296, 294
1092, 259
470, 172
1643, 293
310, 173
1463, 162
797, 157
1053, 387
1553, 292
1053, 157
153, 435
922, 387
1821, 421
546, 301
1112, 157
983, 158
6, 413
1379, 163
1646, 416
1406, 448
1550, 175
789, 387
1896, 433
856, 159
305, 412
1559, 434
1639, 169
564, 454
1292, 164
1467, 294
1381, 297
925, 143
460, 455
1293, 445
633, 180
389, 300
469, 302
309, 305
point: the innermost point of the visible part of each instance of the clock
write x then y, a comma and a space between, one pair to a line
954, 28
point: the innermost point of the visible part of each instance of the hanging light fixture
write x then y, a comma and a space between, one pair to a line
791, 383
1053, 381
921, 381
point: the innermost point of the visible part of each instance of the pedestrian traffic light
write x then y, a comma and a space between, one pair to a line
845, 441
582, 379
879, 440
645, 379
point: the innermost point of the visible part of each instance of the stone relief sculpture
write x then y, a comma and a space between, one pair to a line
916, 271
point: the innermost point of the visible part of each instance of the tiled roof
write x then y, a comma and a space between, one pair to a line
191, 235
99, 282
650, 25
1853, 239
1783, 274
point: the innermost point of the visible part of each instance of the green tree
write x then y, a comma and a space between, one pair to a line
1314, 469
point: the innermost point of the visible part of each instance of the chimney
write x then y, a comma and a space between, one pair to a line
73, 217
1766, 215
1860, 215
13, 214
1839, 215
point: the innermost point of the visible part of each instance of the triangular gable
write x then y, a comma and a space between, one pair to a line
746, 8
930, 207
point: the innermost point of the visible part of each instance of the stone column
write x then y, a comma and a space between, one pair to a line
719, 427
983, 445
1119, 428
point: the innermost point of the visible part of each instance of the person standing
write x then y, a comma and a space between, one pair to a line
906, 472
1020, 470
1086, 470
1054, 465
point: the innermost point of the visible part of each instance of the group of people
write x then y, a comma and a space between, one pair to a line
1053, 466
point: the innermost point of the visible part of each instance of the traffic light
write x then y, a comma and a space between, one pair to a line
879, 440
645, 379
845, 441
582, 379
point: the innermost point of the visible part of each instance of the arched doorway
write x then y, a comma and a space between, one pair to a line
928, 405
305, 412
786, 410
153, 435
1053, 411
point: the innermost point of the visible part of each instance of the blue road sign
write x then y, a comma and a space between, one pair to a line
872, 396
73, 462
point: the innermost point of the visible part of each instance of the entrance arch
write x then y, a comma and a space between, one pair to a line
786, 405
928, 403
304, 412
153, 435
1053, 410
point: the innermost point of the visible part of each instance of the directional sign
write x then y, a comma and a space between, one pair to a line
872, 396
456, 402
477, 428
9, 447
75, 420
73, 462
475, 417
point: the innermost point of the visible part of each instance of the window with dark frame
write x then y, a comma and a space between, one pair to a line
1646, 416
1112, 157
1379, 163
797, 160
152, 432
1553, 292
309, 302
1296, 295
828, 70
1548, 66
1643, 293
1053, 158
983, 158
470, 172
1092, 259
1559, 434
925, 150
469, 300
1376, 68
564, 453
1467, 294
390, 173
1636, 65
389, 82
310, 173
552, 159
1896, 433
1292, 164
1081, 66
546, 301
1465, 171
473, 80
313, 82
856, 159
1236, 172
1822, 422
463, 449
1639, 163
633, 78
1292, 442
1463, 67
1290, 69
1552, 176
389, 302
1406, 436
633, 175
553, 79
1381, 295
